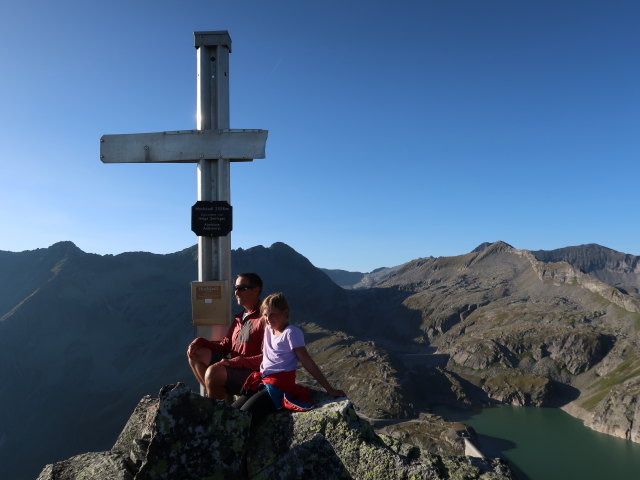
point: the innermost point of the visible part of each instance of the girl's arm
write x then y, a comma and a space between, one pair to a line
311, 367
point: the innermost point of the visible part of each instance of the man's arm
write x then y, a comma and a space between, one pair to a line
223, 346
200, 343
252, 363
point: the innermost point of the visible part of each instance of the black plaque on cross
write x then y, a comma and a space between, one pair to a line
211, 218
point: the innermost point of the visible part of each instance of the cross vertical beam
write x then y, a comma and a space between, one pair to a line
214, 253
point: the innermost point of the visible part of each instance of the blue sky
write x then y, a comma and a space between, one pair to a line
397, 130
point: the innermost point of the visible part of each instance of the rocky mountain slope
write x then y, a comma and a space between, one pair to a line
529, 332
494, 325
555, 327
617, 269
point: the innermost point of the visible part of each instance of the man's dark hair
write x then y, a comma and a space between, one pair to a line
253, 278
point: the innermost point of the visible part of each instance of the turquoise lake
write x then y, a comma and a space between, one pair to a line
549, 444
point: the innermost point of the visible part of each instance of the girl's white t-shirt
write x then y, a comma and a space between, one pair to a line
277, 350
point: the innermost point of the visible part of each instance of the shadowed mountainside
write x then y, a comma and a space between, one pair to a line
343, 278
81, 336
106, 330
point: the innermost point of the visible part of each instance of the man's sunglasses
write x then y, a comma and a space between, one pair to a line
242, 288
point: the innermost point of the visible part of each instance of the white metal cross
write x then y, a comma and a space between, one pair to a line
212, 146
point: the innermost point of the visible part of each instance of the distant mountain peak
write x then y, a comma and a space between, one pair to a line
283, 247
65, 244
64, 248
494, 246
481, 247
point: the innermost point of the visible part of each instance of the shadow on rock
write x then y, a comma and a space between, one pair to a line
562, 395
495, 447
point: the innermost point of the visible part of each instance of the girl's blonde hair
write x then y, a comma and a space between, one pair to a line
275, 300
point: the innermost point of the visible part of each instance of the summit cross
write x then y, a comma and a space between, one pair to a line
213, 145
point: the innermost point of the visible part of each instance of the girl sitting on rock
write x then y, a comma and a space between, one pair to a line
274, 386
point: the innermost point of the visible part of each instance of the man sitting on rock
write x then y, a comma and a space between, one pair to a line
222, 367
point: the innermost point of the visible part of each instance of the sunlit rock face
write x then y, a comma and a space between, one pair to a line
181, 435
619, 413
95, 465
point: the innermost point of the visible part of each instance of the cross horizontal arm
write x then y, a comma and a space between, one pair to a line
184, 146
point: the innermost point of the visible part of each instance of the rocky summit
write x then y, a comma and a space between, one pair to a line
183, 436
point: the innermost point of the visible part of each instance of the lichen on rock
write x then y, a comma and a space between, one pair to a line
355, 450
88, 466
194, 436
184, 436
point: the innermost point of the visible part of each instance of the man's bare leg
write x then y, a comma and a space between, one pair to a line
199, 361
215, 380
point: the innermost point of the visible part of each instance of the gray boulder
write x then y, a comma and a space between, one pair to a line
186, 436
183, 436
88, 466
